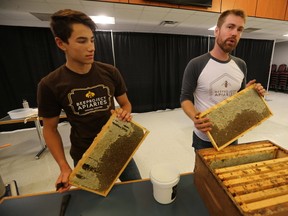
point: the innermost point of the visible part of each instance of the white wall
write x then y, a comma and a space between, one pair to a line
280, 53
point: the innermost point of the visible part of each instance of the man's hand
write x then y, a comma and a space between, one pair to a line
62, 183
123, 114
259, 88
202, 124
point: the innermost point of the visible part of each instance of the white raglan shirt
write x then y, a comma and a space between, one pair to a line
210, 81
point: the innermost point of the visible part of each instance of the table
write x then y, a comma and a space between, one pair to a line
127, 199
36, 119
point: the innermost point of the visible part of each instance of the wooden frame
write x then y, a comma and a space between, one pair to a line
108, 155
234, 116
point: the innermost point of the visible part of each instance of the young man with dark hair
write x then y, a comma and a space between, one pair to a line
215, 76
84, 89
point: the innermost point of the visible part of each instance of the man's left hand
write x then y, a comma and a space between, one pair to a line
259, 88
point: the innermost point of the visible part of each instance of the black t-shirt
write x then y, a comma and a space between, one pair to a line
87, 100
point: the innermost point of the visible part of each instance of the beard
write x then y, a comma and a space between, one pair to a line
227, 45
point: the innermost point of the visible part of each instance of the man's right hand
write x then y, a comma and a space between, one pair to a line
62, 183
202, 124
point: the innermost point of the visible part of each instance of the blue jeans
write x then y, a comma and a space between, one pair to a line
131, 171
200, 144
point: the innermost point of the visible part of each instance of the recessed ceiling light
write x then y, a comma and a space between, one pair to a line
286, 35
212, 28
103, 19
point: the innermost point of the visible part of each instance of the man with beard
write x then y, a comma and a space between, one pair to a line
215, 76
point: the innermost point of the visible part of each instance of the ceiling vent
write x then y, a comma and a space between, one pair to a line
42, 16
249, 30
168, 23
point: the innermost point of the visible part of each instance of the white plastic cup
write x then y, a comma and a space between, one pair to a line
25, 104
164, 178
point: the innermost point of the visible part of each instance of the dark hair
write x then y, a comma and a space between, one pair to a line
235, 12
62, 21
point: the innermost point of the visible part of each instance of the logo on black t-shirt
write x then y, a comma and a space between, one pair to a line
93, 99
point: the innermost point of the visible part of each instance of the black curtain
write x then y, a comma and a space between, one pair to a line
27, 54
257, 55
104, 49
153, 65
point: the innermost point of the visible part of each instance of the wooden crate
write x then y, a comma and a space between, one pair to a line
108, 155
248, 179
235, 116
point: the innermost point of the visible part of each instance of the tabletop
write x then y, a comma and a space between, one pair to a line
132, 198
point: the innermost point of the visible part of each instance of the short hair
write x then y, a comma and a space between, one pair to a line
236, 12
62, 21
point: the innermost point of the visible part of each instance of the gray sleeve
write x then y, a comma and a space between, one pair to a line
242, 65
190, 76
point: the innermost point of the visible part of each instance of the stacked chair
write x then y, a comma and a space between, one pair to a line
283, 80
279, 77
273, 85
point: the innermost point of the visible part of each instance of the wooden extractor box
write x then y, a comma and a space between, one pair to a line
246, 179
